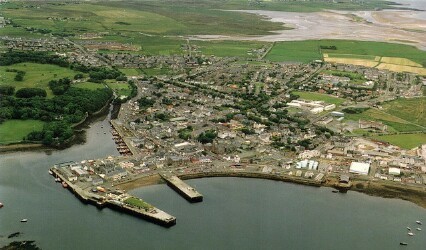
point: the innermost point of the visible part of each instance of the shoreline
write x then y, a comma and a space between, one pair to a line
415, 195
28, 146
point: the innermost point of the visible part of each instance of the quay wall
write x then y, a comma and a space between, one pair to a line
197, 198
308, 182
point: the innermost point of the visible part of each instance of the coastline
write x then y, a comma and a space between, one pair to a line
416, 195
28, 146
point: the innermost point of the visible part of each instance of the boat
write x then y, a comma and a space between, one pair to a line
418, 229
58, 179
403, 243
411, 234
50, 172
418, 222
335, 191
1, 205
64, 184
409, 228
24, 220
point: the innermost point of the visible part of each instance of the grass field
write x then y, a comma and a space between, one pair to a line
156, 17
131, 72
412, 110
121, 89
12, 131
36, 75
355, 52
319, 97
406, 141
401, 115
137, 203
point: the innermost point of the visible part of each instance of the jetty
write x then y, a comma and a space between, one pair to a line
118, 201
182, 188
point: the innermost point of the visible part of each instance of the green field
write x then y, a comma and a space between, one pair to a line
131, 72
36, 75
412, 110
306, 51
406, 141
401, 115
120, 88
156, 17
319, 97
298, 51
137, 203
229, 48
13, 131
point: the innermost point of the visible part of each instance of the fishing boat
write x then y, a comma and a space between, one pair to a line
24, 220
403, 243
418, 229
411, 234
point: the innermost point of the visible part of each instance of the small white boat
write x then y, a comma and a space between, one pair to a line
1, 205
50, 172
418, 229
409, 228
411, 234
418, 222
24, 220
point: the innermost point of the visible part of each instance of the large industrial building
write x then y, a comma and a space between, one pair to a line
359, 168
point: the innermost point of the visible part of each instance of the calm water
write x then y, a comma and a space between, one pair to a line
235, 213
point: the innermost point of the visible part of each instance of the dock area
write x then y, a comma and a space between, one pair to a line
182, 188
116, 200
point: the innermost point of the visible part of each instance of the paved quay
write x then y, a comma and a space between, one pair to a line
182, 188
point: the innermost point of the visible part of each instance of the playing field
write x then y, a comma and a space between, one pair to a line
12, 131
36, 75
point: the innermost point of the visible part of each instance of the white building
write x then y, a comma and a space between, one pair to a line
359, 168
394, 171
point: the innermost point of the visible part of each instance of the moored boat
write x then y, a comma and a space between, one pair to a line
411, 234
64, 184
24, 220
418, 222
50, 172
403, 243
1, 205
418, 229
409, 228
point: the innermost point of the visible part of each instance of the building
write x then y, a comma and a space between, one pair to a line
394, 171
337, 114
372, 124
359, 168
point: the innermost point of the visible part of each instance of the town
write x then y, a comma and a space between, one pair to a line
208, 116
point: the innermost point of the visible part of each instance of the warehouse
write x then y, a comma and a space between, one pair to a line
359, 168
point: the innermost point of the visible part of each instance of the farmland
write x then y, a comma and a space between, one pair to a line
396, 57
